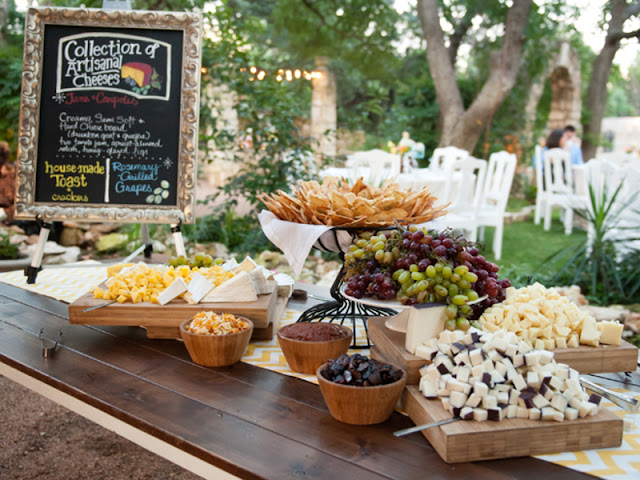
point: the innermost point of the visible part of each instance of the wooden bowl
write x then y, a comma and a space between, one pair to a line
216, 350
306, 356
361, 405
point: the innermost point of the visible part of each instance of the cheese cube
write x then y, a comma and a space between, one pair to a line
610, 332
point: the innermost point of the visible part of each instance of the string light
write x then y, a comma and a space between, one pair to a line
203, 70
259, 74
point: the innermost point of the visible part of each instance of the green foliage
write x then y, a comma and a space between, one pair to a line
267, 110
8, 250
11, 78
596, 268
241, 234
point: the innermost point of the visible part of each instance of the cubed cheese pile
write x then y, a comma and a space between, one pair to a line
144, 283
480, 375
545, 320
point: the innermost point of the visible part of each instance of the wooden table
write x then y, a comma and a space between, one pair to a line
240, 421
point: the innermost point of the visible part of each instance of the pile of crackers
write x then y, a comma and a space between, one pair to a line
336, 203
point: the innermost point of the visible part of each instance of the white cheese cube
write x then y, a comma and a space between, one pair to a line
539, 401
475, 357
463, 374
545, 357
477, 370
487, 365
457, 399
481, 389
501, 368
473, 400
489, 401
428, 388
556, 383
518, 360
570, 413
479, 414
462, 358
519, 382
534, 413
511, 411
522, 412
455, 385
559, 402
425, 352
533, 379
466, 413
514, 395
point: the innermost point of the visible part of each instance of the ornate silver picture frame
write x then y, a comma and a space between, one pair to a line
91, 57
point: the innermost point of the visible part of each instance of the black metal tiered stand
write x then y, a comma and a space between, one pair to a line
343, 309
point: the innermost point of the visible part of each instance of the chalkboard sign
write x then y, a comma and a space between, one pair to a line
109, 115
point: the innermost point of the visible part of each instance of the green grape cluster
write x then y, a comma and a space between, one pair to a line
416, 265
200, 260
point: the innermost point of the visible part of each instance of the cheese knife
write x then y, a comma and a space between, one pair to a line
417, 428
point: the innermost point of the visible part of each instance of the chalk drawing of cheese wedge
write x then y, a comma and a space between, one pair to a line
138, 72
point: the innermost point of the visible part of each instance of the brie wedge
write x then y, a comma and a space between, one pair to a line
177, 288
236, 289
199, 286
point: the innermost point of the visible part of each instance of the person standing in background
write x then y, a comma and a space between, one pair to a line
7, 184
572, 145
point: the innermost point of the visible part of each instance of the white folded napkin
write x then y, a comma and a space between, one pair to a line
294, 239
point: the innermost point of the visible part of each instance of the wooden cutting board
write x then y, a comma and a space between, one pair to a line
470, 441
156, 318
585, 359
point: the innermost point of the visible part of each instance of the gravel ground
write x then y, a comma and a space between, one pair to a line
41, 440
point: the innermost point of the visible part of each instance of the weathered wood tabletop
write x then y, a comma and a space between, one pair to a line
241, 421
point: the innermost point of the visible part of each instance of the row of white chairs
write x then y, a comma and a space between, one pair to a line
480, 198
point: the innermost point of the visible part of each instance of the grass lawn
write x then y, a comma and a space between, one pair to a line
525, 245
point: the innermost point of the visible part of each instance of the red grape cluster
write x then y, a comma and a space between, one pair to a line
418, 266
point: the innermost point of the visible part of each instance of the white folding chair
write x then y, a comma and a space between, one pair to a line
441, 155
493, 204
463, 211
540, 193
558, 179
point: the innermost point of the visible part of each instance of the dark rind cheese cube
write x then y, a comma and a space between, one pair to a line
495, 414
486, 379
593, 398
457, 347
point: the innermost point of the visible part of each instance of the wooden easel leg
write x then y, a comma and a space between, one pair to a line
31, 272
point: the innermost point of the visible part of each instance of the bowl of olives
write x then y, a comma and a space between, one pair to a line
360, 390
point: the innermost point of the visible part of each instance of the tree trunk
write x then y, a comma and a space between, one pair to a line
597, 90
462, 128
4, 21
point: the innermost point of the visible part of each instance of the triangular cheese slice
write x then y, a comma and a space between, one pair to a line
229, 264
177, 288
199, 286
236, 289
246, 265
259, 282
285, 284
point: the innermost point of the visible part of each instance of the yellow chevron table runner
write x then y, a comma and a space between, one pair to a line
70, 283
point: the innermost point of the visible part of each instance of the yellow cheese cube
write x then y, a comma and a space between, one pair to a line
121, 299
610, 332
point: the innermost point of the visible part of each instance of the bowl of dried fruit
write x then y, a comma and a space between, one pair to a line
216, 340
307, 345
359, 390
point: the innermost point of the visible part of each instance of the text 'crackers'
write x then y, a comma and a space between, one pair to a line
336, 203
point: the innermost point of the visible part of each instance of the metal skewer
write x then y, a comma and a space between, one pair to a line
418, 428
625, 401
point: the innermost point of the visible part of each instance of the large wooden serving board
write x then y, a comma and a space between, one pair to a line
470, 441
585, 359
163, 321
